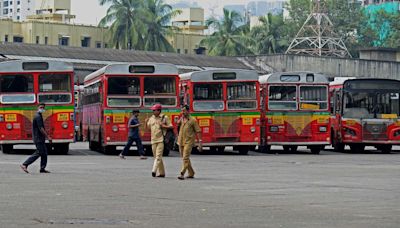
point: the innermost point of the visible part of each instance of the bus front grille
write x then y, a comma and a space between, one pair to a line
226, 126
375, 131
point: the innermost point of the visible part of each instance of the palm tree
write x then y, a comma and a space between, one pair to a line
231, 36
125, 26
157, 16
268, 35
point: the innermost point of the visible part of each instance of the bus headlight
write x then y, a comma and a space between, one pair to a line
252, 129
273, 129
64, 125
322, 129
108, 119
115, 128
9, 126
396, 133
348, 131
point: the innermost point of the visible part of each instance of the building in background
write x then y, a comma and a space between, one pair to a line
191, 25
52, 11
16, 10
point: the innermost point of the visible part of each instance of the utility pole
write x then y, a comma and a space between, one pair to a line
317, 37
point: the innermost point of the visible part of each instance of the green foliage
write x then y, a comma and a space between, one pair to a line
139, 24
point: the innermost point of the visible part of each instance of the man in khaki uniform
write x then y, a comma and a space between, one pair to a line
188, 131
158, 125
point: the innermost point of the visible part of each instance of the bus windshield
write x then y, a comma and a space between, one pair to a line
10, 85
208, 97
282, 97
241, 96
161, 90
313, 97
123, 91
370, 105
55, 88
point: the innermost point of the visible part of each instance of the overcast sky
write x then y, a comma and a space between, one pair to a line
90, 12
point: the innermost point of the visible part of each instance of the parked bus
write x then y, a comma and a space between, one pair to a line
295, 111
227, 106
365, 112
112, 92
25, 84
78, 112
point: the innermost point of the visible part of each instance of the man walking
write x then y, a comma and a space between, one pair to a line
133, 136
188, 131
39, 138
158, 125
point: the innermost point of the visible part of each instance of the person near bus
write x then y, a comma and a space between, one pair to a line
133, 136
158, 124
189, 129
39, 138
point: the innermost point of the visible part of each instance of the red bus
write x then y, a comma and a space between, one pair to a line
295, 111
365, 112
227, 106
25, 84
112, 92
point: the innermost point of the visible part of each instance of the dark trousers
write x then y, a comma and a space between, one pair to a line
128, 145
41, 151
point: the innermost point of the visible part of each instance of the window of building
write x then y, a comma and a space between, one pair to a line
5, 4
10, 3
18, 17
98, 44
46, 40
105, 45
85, 42
178, 51
63, 41
18, 10
18, 39
11, 10
37, 39
18, 2
186, 51
5, 11
6, 38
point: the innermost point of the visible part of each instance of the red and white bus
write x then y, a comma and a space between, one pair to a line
295, 111
112, 92
25, 84
226, 104
365, 112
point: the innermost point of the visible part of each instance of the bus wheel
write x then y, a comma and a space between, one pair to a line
165, 152
148, 151
92, 145
220, 149
265, 149
7, 148
386, 149
111, 150
315, 149
252, 148
61, 148
337, 146
357, 148
243, 150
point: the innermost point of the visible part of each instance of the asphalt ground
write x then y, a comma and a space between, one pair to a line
88, 189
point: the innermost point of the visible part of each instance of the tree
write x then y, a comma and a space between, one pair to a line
230, 37
270, 35
139, 24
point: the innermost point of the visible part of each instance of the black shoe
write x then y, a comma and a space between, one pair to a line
153, 174
181, 177
162, 176
44, 171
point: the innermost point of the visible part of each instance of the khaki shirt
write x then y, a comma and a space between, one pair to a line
155, 128
187, 132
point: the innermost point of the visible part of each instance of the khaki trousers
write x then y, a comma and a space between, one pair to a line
185, 152
158, 149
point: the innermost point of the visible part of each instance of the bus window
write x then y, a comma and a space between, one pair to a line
159, 86
56, 84
238, 92
16, 83
313, 98
208, 97
282, 98
13, 84
123, 86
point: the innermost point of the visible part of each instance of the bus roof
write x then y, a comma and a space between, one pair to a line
18, 66
340, 80
293, 77
220, 75
135, 68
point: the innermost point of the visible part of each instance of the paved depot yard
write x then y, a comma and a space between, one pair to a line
87, 189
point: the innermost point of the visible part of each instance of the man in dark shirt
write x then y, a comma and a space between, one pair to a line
39, 138
133, 136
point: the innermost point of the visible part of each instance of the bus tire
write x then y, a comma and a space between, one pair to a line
110, 150
220, 149
252, 148
148, 151
92, 145
358, 148
7, 148
386, 149
166, 152
265, 149
243, 150
315, 149
61, 148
